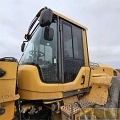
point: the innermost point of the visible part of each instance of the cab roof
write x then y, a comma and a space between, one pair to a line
68, 19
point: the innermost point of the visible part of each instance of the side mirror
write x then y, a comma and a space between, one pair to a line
23, 46
48, 33
46, 17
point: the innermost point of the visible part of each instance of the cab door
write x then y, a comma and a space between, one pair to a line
73, 53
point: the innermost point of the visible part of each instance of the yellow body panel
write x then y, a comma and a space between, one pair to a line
32, 87
85, 47
30, 95
9, 111
99, 91
10, 68
7, 89
29, 79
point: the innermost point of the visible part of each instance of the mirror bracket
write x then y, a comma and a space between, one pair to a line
23, 46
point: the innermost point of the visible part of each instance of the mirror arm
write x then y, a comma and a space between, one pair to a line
27, 36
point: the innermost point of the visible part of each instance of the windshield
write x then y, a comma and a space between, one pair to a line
43, 53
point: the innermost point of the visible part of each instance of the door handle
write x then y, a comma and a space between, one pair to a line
83, 78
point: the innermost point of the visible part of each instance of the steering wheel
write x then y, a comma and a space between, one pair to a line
36, 53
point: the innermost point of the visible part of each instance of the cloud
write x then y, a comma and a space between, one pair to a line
100, 16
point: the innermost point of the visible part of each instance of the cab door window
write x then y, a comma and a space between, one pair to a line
67, 40
73, 58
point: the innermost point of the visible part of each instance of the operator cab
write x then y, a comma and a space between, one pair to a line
55, 46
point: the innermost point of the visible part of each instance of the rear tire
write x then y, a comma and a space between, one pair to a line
114, 93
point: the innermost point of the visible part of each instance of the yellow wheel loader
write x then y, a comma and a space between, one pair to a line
54, 79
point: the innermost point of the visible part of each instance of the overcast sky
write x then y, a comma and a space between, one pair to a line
101, 17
